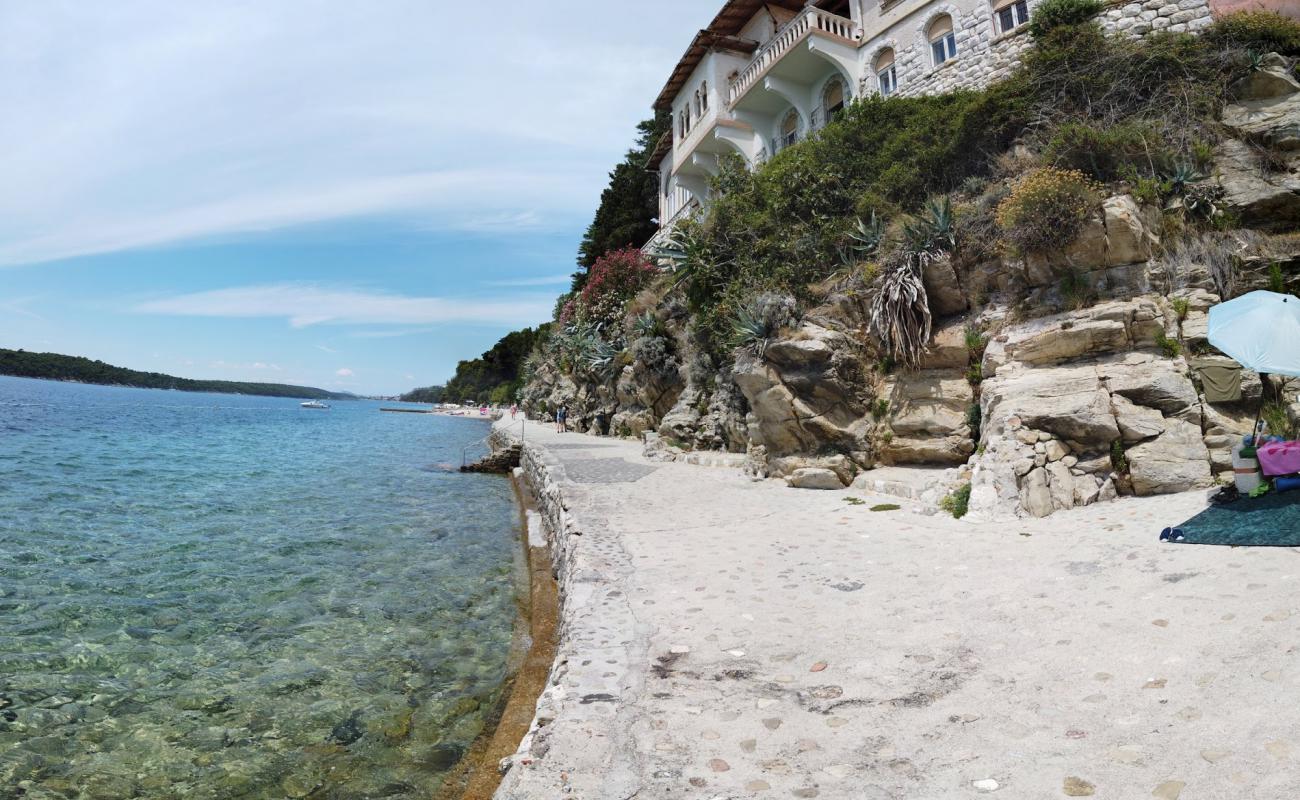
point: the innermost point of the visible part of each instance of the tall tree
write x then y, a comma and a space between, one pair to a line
629, 205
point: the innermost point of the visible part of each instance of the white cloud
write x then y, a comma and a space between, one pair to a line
325, 349
344, 373
146, 122
304, 304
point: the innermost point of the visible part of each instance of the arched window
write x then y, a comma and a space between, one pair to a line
789, 130
886, 77
1010, 14
943, 42
696, 106
833, 98
704, 96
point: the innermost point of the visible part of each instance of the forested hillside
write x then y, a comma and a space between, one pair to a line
54, 366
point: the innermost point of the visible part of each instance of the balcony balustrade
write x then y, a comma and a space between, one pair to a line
809, 21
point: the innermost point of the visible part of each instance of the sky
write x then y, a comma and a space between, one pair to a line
347, 195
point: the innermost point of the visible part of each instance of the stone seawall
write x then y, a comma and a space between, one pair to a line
575, 731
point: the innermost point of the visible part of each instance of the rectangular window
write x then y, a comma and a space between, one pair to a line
888, 80
1013, 16
944, 48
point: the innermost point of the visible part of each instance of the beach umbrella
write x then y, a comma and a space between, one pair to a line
1260, 331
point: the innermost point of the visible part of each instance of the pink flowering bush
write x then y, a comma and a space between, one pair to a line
614, 279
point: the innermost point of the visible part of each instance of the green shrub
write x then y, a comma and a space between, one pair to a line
974, 419
1046, 209
1180, 307
1258, 31
975, 341
1276, 281
1118, 459
1109, 152
880, 410
1279, 423
1171, 348
957, 503
1053, 14
1076, 289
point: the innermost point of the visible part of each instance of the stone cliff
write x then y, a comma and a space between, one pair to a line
1050, 381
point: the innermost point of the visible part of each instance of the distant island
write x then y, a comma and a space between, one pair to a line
53, 366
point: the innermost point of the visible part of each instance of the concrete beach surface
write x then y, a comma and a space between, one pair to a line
724, 638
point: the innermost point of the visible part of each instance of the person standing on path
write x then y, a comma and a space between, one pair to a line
562, 419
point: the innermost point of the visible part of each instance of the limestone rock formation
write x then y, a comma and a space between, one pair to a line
1260, 169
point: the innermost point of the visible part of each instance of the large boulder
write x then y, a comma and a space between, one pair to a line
1136, 422
1153, 381
1270, 81
1175, 461
929, 419
1269, 109
1130, 236
814, 478
943, 288
1068, 402
1264, 199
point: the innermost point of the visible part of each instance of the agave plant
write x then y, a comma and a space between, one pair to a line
900, 311
646, 324
1184, 174
933, 230
757, 321
867, 237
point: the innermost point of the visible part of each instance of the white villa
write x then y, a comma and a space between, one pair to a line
764, 75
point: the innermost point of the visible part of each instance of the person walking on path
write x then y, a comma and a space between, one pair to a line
562, 419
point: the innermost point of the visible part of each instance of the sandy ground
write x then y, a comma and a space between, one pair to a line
732, 639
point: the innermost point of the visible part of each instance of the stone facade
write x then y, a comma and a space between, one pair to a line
985, 55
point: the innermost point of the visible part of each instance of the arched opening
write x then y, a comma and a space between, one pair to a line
886, 76
834, 98
789, 132
704, 96
943, 42
1010, 14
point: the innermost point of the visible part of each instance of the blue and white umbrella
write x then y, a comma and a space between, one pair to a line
1260, 331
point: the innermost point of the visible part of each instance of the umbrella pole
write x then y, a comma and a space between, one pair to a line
1259, 414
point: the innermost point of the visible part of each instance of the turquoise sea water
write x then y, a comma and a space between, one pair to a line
216, 596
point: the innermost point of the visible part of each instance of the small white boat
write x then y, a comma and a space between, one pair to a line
313, 404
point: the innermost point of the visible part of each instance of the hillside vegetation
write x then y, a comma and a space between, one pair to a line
53, 366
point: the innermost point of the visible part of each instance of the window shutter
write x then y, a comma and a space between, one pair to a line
940, 28
885, 60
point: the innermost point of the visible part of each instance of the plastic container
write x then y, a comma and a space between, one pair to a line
1286, 484
1245, 469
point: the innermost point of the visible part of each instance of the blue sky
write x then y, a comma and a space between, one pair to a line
339, 194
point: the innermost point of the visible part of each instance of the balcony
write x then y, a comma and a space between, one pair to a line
810, 21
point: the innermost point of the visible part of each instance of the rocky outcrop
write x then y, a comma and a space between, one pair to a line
1259, 170
1080, 406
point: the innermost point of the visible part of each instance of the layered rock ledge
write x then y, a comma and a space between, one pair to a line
729, 638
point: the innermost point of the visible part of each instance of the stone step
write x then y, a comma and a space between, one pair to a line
922, 484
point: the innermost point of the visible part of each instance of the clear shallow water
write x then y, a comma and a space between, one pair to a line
215, 596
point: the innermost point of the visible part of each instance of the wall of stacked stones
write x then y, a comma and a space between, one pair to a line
984, 56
